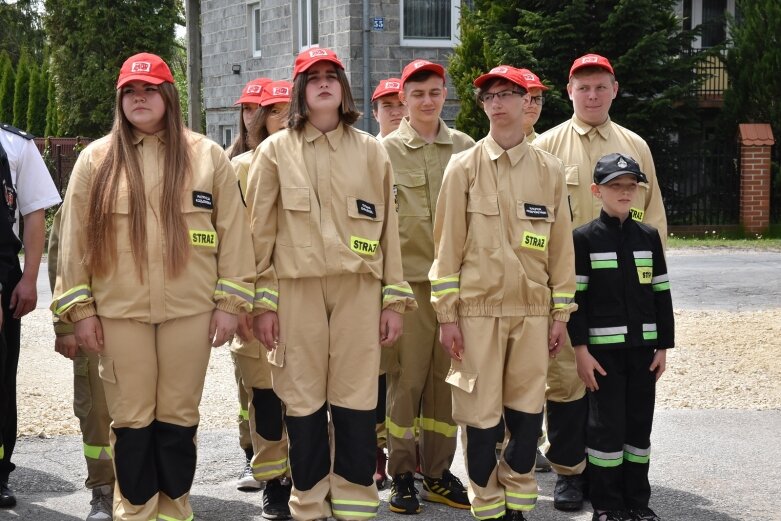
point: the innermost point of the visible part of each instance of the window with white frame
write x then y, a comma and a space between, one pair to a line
429, 23
308, 34
254, 10
226, 133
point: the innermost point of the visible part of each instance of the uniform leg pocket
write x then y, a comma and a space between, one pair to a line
106, 370
276, 356
82, 393
463, 380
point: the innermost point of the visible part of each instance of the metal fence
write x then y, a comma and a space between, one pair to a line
59, 154
711, 67
701, 186
775, 184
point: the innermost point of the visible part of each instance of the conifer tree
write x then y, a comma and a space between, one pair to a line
21, 91
7, 80
36, 104
52, 123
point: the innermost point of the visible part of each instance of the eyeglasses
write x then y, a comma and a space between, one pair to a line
536, 100
487, 97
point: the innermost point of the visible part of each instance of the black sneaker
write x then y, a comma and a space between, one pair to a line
7, 496
612, 515
447, 490
514, 515
404, 495
541, 464
568, 493
643, 514
275, 499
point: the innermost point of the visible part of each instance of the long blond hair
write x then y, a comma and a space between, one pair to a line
121, 159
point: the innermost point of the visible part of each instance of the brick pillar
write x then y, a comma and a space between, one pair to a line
756, 140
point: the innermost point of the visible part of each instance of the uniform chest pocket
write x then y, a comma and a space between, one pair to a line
483, 216
295, 215
364, 226
411, 195
197, 212
534, 223
572, 175
122, 221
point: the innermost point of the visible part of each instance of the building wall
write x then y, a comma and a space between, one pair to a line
225, 26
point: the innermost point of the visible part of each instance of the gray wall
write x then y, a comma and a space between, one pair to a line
226, 41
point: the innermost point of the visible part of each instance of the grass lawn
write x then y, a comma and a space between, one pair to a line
715, 241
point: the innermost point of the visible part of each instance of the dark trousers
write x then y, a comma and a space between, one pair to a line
9, 360
618, 433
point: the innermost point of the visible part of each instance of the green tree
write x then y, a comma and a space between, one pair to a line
52, 117
22, 29
7, 80
89, 42
22, 91
642, 38
36, 104
753, 63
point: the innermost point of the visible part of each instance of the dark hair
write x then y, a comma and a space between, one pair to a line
490, 83
257, 131
299, 111
421, 77
241, 142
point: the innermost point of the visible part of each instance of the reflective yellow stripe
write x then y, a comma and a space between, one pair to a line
432, 425
269, 468
163, 517
492, 511
227, 287
397, 431
244, 414
70, 297
97, 452
351, 508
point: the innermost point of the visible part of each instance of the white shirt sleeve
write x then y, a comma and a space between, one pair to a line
35, 189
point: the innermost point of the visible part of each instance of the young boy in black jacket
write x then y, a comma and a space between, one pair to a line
620, 332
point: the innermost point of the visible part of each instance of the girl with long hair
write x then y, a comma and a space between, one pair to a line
249, 103
154, 269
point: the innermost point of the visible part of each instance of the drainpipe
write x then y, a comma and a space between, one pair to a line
366, 92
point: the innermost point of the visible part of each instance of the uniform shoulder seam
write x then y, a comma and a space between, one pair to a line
18, 132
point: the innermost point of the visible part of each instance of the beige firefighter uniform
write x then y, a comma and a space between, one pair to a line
269, 439
580, 146
504, 268
157, 322
89, 400
327, 248
417, 391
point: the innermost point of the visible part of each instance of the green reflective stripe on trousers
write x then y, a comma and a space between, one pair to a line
72, 296
349, 508
636, 455
97, 452
598, 265
262, 470
227, 287
492, 511
605, 459
397, 431
432, 425
516, 501
163, 517
244, 414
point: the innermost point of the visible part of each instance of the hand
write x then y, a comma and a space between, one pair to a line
245, 327
391, 326
557, 337
67, 346
24, 298
89, 334
222, 327
451, 340
659, 363
266, 329
587, 364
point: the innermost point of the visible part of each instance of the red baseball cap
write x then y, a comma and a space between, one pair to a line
387, 87
276, 92
532, 80
505, 72
416, 66
145, 67
591, 60
252, 91
309, 57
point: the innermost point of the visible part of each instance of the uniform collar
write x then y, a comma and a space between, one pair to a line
614, 222
514, 154
584, 128
139, 136
410, 137
333, 137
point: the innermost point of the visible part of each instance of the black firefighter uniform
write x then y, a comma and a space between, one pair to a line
580, 146
327, 248
504, 268
624, 313
158, 322
416, 382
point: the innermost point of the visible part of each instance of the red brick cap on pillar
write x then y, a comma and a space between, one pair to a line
756, 139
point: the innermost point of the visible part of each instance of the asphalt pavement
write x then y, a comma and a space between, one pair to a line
714, 465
